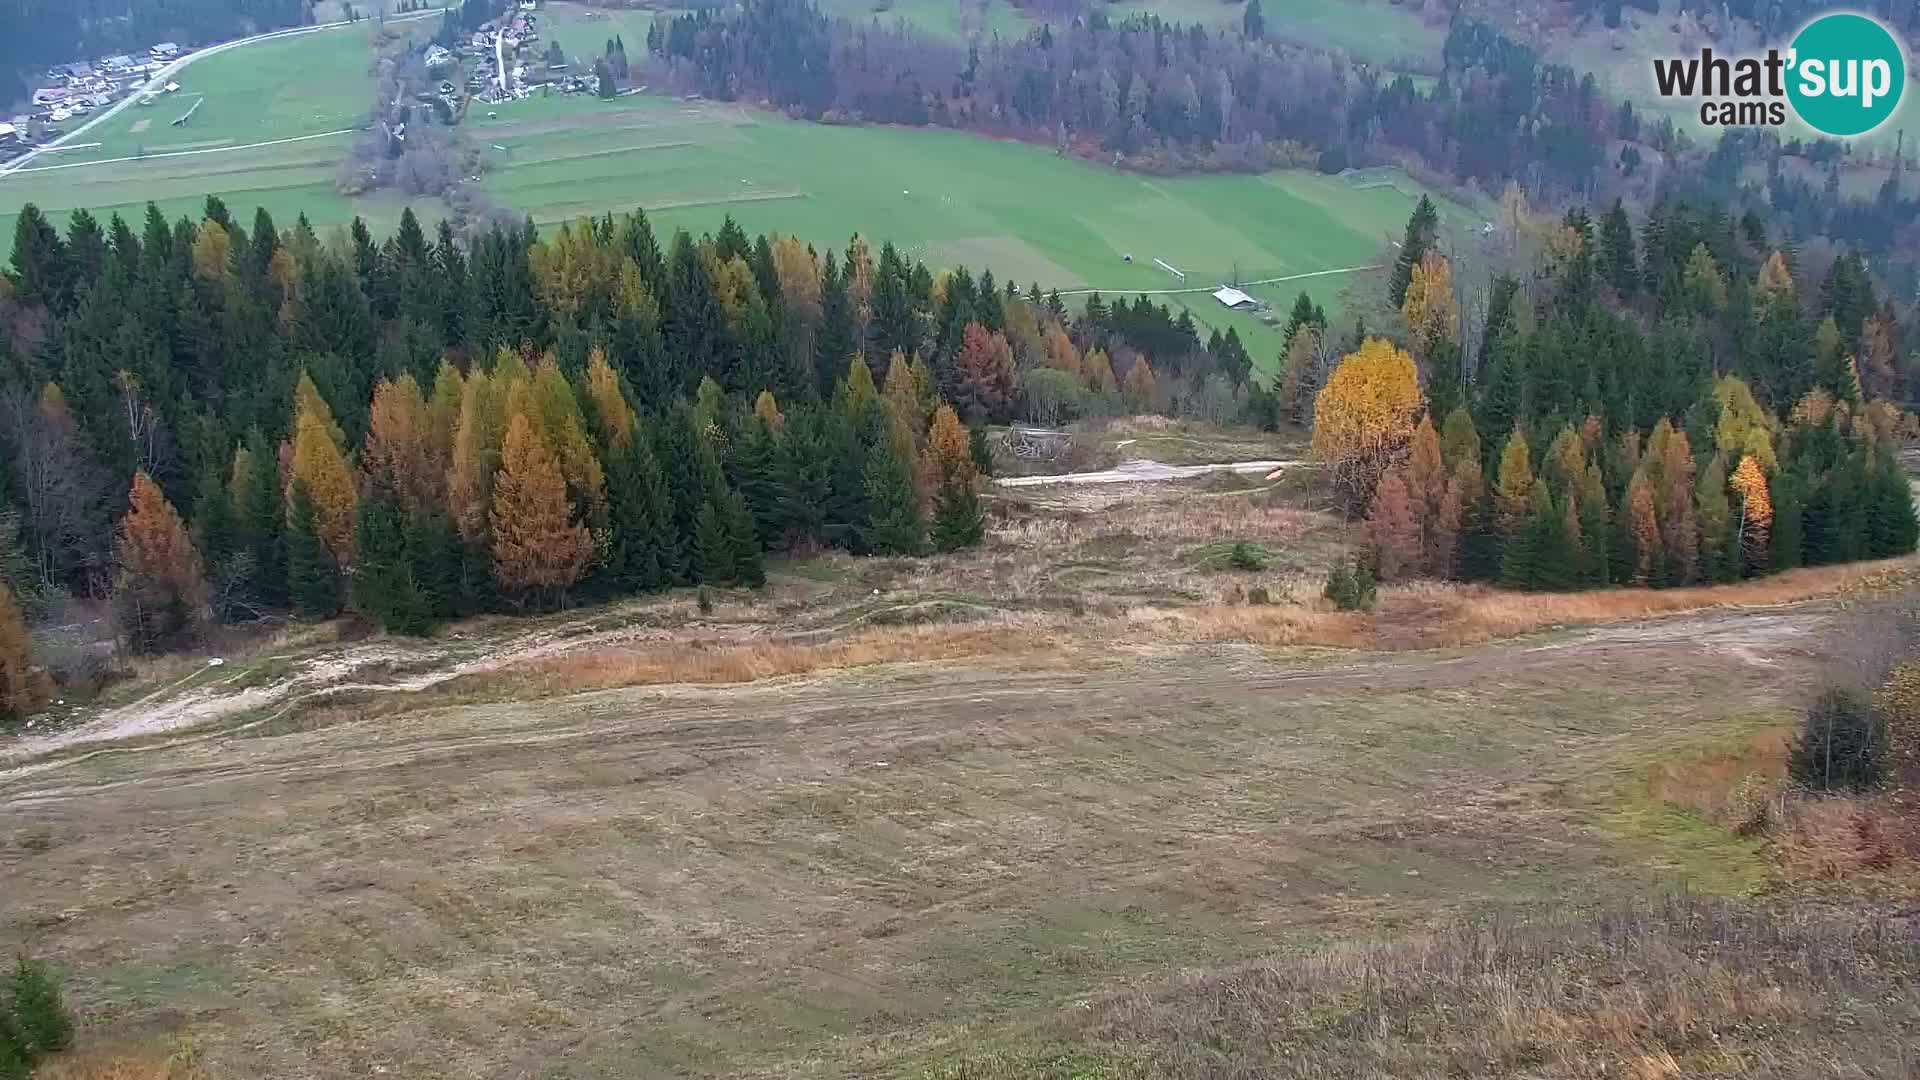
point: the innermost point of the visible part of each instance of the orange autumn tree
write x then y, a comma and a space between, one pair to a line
1363, 417
400, 453
1756, 514
162, 595
1393, 529
1431, 309
1426, 477
537, 547
21, 689
1140, 386
1644, 526
321, 467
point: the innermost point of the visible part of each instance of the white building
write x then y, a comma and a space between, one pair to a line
1234, 298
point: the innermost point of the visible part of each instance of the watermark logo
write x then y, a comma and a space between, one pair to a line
1842, 75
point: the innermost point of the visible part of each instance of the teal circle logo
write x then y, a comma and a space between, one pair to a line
1846, 73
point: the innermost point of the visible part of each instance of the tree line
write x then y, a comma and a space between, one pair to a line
1662, 407
211, 420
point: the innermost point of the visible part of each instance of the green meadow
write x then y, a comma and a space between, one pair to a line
946, 197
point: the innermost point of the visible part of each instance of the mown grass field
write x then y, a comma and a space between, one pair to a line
282, 89
544, 870
947, 197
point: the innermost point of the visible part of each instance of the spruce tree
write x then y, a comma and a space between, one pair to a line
759, 478
1444, 390
384, 586
1713, 513
748, 567
644, 546
262, 519
1422, 228
313, 585
1617, 259
958, 520
712, 547
1891, 526
846, 508
806, 478
893, 525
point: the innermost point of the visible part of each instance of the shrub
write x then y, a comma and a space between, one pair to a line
1245, 556
1258, 595
1351, 588
34, 1021
1842, 744
705, 601
1898, 702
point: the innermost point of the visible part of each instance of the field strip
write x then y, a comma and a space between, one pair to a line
183, 153
558, 217
1211, 288
161, 77
587, 154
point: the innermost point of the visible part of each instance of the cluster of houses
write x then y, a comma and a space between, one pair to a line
529, 68
72, 91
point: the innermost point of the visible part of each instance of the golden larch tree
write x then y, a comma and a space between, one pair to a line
949, 447
476, 456
1140, 386
443, 411
1426, 478
1431, 309
766, 408
1679, 528
308, 402
1513, 487
613, 417
536, 544
1062, 354
1644, 526
399, 453
163, 584
212, 248
1775, 283
319, 464
1364, 416
798, 273
909, 399
1744, 427
553, 414
20, 685
1098, 372
1393, 533
1756, 514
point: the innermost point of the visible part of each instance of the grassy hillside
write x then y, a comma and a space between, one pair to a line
1024, 211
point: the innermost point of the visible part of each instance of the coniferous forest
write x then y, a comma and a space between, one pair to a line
1664, 406
212, 420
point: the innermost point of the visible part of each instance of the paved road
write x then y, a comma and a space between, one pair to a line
168, 72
